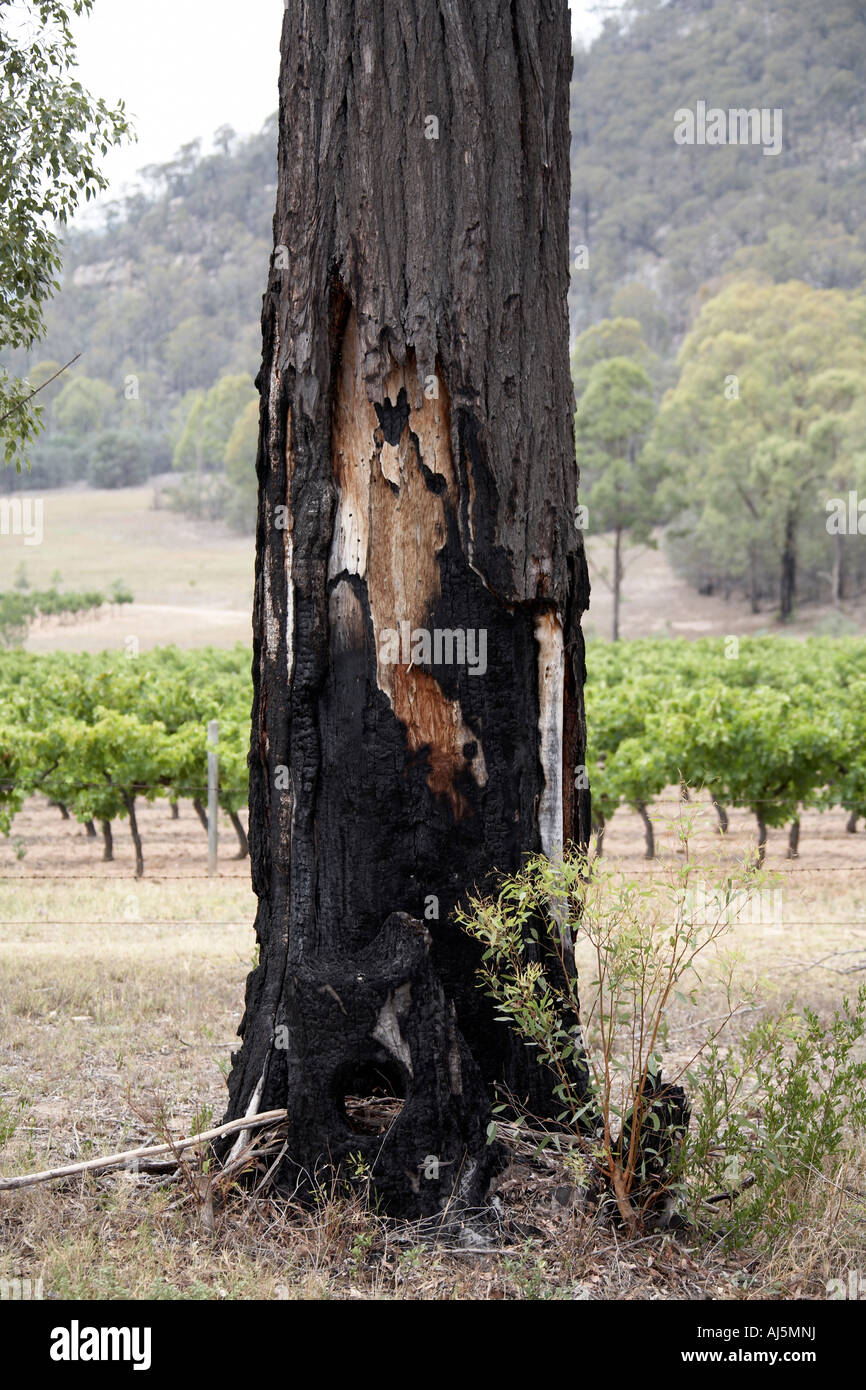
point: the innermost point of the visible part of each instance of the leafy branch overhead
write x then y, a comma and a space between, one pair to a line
52, 135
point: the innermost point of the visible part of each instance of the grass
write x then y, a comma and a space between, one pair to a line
192, 581
109, 1023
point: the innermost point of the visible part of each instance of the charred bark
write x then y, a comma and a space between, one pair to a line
418, 661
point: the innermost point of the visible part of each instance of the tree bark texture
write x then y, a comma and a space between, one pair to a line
418, 661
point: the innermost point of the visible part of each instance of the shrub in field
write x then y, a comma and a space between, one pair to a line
774, 1117
645, 944
770, 1113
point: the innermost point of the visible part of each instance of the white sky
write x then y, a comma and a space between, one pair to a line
186, 67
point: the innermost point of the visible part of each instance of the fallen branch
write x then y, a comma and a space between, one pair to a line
120, 1160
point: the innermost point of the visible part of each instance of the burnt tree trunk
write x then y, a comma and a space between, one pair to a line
418, 661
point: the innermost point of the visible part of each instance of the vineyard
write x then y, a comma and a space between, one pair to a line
770, 726
96, 734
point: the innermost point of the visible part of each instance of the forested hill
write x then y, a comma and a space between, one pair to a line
164, 304
672, 218
173, 286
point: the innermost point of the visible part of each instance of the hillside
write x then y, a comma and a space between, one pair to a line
673, 218
164, 302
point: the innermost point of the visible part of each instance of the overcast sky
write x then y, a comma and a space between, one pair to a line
186, 67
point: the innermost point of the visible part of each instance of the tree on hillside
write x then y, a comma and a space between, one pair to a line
618, 337
622, 480
84, 405
418, 661
743, 427
201, 448
51, 135
240, 464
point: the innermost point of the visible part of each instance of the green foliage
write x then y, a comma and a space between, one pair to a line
240, 463
83, 405
20, 608
763, 426
770, 724
642, 944
620, 478
676, 217
774, 1117
118, 459
97, 732
165, 299
52, 133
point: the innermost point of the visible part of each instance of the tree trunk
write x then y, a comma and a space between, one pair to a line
243, 843
762, 837
754, 603
788, 579
851, 823
64, 810
136, 838
794, 839
107, 842
418, 660
838, 573
175, 810
650, 852
90, 829
599, 825
617, 580
722, 815
200, 812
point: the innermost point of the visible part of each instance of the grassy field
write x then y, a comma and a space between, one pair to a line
193, 581
119, 1003
120, 999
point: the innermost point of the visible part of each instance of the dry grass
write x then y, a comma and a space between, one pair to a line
111, 1024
